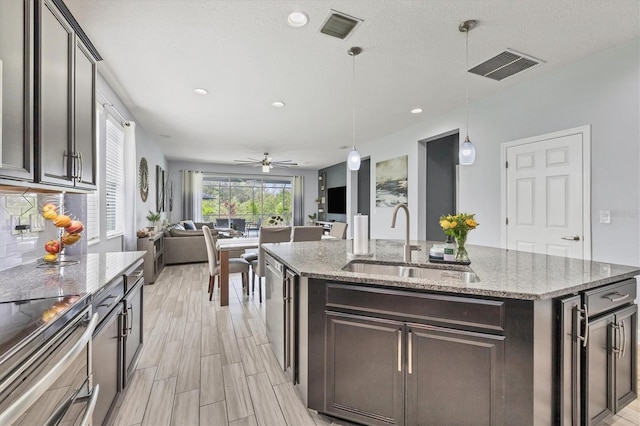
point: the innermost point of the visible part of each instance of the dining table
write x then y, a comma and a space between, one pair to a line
226, 245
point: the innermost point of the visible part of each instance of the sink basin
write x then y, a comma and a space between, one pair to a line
404, 271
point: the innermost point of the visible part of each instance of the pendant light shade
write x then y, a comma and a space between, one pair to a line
353, 159
467, 153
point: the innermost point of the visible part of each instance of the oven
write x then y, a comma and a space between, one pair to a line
46, 361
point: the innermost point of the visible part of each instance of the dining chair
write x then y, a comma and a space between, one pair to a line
236, 265
306, 233
339, 230
267, 234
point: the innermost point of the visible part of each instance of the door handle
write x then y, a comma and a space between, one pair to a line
571, 237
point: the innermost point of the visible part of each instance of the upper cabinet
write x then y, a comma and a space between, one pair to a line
16, 89
59, 135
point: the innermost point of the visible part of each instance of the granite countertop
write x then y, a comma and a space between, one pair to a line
499, 273
88, 276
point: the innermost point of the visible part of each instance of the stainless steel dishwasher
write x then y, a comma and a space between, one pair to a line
274, 307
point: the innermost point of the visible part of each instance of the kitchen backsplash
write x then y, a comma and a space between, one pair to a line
23, 210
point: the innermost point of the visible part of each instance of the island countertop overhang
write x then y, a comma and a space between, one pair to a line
501, 273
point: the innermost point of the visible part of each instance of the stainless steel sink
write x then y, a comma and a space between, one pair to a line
404, 271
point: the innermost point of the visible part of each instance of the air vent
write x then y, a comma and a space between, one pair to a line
339, 25
504, 65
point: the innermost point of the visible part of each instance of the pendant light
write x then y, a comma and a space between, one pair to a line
353, 159
467, 154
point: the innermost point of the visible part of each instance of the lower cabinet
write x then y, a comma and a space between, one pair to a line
132, 330
453, 377
610, 376
597, 344
383, 371
365, 369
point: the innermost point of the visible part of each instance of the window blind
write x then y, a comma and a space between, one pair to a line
114, 182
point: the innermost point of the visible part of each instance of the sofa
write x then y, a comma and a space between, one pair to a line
188, 246
182, 246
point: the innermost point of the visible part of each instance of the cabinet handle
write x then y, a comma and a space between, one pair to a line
108, 305
399, 350
410, 353
618, 340
81, 166
130, 327
624, 340
585, 335
616, 297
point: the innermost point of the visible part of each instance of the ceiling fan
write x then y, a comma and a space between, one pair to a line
267, 163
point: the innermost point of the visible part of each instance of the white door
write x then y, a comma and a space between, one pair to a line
546, 205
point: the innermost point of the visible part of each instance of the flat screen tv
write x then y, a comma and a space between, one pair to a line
337, 200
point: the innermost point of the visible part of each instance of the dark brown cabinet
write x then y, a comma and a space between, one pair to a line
597, 340
384, 367
453, 365
610, 379
365, 369
16, 79
48, 70
65, 88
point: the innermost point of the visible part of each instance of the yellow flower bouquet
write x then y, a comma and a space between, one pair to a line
458, 226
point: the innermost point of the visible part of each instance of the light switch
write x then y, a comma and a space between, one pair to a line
605, 216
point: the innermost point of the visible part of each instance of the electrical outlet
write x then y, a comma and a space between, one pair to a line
15, 222
605, 216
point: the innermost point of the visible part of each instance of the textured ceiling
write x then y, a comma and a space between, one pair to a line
157, 51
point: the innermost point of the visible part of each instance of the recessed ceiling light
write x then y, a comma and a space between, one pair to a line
200, 91
416, 111
165, 136
278, 104
297, 19
343, 147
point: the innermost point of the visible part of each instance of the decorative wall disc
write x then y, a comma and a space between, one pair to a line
144, 179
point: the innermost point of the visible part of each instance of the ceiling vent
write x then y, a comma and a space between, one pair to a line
505, 65
339, 25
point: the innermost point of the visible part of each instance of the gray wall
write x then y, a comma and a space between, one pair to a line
601, 91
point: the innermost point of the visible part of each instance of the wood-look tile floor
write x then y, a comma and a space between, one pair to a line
203, 364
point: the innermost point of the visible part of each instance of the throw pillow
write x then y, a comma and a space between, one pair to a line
188, 225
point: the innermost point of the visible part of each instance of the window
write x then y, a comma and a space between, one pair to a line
114, 181
251, 199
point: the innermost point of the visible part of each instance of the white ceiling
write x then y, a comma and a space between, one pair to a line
157, 51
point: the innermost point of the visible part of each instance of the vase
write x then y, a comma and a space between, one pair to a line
461, 250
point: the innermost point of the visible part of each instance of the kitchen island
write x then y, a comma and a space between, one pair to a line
509, 339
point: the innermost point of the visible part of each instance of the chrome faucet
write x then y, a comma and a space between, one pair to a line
407, 246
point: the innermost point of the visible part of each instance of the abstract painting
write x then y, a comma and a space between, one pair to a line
391, 182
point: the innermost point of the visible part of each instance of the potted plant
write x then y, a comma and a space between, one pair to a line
153, 218
312, 218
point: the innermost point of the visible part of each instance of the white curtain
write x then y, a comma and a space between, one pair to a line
131, 180
298, 200
192, 195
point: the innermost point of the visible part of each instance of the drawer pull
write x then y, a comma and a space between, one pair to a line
616, 297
